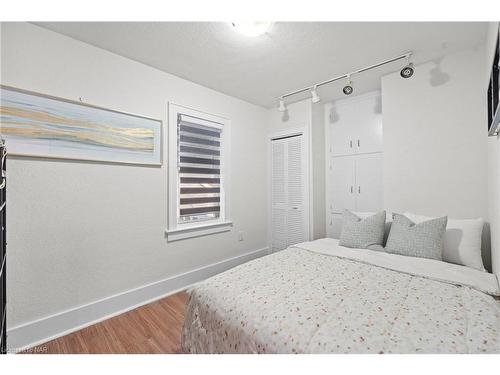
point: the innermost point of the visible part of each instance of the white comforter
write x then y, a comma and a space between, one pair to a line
318, 297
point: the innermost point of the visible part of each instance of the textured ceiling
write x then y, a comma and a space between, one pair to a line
290, 56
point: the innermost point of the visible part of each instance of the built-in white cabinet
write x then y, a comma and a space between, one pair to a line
290, 219
354, 175
355, 183
355, 126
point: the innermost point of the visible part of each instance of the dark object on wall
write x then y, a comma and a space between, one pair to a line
3, 253
493, 93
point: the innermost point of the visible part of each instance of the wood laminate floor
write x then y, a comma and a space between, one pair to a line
153, 328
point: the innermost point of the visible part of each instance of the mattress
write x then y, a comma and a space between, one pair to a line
319, 297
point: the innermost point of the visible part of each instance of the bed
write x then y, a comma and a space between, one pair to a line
319, 297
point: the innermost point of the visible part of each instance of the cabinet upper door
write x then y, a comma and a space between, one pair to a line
341, 184
369, 183
356, 126
369, 135
342, 130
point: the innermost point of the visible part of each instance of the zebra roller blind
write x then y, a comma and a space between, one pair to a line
199, 169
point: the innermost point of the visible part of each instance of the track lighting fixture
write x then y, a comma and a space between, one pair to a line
347, 90
282, 106
407, 70
314, 95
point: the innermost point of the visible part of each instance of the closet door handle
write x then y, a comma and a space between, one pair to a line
352, 189
359, 189
359, 143
350, 143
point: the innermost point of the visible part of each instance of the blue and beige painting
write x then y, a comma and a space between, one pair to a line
35, 125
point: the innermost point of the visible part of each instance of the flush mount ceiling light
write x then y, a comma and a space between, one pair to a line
252, 29
408, 70
314, 95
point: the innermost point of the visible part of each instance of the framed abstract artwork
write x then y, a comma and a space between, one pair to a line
39, 125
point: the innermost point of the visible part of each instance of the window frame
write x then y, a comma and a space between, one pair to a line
176, 230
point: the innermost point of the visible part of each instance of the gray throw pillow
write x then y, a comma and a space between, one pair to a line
366, 233
423, 240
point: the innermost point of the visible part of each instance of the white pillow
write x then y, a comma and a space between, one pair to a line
462, 240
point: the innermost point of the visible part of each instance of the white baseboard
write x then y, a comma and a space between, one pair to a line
48, 328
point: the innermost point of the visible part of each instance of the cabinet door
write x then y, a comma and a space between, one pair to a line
369, 133
342, 132
369, 183
341, 182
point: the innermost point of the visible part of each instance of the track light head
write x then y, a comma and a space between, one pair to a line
314, 95
407, 71
348, 89
282, 106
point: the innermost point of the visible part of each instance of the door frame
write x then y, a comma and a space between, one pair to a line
306, 153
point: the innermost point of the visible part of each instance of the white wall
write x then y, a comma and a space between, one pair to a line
493, 159
80, 231
435, 138
297, 115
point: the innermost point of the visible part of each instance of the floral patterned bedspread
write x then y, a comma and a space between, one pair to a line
300, 301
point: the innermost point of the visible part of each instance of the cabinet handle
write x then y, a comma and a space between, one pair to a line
359, 189
359, 143
350, 143
351, 189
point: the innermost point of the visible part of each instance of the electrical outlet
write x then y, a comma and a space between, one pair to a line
240, 235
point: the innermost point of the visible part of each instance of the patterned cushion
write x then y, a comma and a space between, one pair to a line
362, 233
422, 240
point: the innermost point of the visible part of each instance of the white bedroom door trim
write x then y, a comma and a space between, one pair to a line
306, 158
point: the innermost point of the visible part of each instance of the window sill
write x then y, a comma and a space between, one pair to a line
198, 231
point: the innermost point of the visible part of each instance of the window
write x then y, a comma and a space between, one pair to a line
199, 162
198, 178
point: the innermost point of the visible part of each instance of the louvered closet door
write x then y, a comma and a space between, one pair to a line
279, 195
289, 219
296, 218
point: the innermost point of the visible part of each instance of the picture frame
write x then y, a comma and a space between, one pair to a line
45, 126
